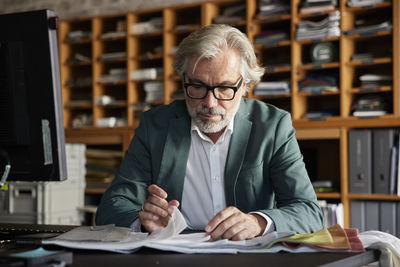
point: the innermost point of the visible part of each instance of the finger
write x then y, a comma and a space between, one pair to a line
242, 235
147, 216
157, 201
155, 210
220, 217
174, 203
158, 191
227, 228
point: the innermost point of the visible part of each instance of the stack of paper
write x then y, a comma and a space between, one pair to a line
120, 240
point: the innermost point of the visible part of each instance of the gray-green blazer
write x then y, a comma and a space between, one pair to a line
264, 169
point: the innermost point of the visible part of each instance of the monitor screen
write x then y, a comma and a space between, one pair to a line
32, 142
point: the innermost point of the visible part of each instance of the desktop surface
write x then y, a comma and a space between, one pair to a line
149, 257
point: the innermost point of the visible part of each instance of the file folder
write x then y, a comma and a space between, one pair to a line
371, 215
388, 217
357, 215
382, 150
360, 161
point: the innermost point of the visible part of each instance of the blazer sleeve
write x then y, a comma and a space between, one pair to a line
296, 207
122, 201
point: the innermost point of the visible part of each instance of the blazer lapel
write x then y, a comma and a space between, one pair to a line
236, 153
175, 155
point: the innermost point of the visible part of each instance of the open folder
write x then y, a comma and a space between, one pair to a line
171, 238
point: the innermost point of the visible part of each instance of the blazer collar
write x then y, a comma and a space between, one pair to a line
237, 151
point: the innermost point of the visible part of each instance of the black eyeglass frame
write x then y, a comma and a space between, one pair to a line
212, 89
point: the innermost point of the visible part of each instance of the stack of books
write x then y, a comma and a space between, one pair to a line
315, 6
147, 74
354, 3
328, 27
78, 58
317, 83
272, 7
333, 213
369, 106
114, 75
370, 27
272, 88
154, 91
147, 27
112, 56
372, 82
232, 15
76, 36
270, 37
79, 81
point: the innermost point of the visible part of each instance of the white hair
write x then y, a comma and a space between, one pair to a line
209, 41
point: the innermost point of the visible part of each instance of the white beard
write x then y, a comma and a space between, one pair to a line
209, 126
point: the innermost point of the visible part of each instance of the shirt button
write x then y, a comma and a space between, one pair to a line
213, 149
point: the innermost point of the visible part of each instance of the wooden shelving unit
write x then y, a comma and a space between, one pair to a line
288, 59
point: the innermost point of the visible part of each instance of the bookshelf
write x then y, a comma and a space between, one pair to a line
289, 59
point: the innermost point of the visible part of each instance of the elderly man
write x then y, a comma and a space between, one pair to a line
231, 164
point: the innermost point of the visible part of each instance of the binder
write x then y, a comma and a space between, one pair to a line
360, 161
388, 217
371, 215
357, 215
398, 219
383, 142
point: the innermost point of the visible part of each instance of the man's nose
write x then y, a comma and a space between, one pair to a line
210, 100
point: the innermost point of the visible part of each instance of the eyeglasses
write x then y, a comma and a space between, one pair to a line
220, 92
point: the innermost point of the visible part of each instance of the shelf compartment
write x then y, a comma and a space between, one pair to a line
321, 165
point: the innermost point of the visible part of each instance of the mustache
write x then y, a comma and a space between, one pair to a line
210, 111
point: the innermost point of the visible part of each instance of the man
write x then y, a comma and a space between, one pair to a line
232, 165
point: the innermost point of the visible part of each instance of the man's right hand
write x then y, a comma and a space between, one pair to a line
156, 211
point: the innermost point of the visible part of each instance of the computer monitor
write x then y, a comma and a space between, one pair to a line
32, 141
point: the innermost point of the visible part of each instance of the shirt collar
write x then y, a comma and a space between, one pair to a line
228, 130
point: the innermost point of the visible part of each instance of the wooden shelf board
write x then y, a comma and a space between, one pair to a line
82, 41
271, 19
358, 90
376, 61
354, 196
368, 36
319, 93
310, 41
95, 191
350, 122
278, 44
266, 97
320, 133
313, 66
76, 64
362, 9
146, 35
276, 69
149, 57
333, 195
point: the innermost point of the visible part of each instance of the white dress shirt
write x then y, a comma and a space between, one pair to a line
203, 190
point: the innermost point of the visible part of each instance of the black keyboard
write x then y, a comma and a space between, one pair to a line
26, 229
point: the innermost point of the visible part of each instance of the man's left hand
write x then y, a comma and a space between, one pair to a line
231, 223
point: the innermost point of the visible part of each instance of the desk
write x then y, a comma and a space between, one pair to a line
149, 258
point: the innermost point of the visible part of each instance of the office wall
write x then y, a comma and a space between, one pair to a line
80, 8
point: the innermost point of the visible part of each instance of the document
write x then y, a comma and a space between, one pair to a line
171, 238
